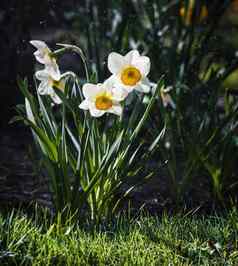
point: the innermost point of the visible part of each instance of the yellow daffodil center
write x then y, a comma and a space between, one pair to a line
130, 76
103, 101
58, 84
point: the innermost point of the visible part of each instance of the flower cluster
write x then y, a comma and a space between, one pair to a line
128, 73
50, 76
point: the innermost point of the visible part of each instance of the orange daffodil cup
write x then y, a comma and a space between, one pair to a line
129, 73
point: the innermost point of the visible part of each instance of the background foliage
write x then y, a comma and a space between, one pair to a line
199, 62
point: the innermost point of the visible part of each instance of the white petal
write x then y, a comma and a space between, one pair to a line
43, 57
116, 109
56, 99
53, 70
114, 87
119, 93
91, 90
143, 64
110, 82
84, 105
115, 62
146, 81
43, 52
40, 57
143, 87
132, 55
45, 89
42, 75
39, 44
127, 89
95, 112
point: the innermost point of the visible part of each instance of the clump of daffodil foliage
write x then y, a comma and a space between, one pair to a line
92, 162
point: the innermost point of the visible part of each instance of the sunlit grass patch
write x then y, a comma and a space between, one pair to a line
145, 241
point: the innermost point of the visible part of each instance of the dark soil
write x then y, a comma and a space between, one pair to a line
21, 185
18, 182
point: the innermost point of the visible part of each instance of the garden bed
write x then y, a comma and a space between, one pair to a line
21, 185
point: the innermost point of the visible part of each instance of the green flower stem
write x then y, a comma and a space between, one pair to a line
76, 49
64, 164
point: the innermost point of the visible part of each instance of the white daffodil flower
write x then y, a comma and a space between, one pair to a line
130, 71
44, 56
102, 98
166, 98
48, 83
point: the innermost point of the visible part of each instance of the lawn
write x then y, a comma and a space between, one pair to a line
178, 240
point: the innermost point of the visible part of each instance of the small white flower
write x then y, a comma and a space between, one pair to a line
130, 71
166, 98
47, 82
102, 98
44, 56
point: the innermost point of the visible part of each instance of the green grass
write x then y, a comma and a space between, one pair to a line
148, 240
